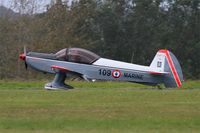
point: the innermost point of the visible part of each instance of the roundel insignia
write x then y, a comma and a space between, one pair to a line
116, 73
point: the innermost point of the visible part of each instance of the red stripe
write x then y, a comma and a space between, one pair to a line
162, 51
60, 68
172, 67
156, 73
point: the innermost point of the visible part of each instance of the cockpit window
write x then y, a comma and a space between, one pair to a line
61, 55
77, 55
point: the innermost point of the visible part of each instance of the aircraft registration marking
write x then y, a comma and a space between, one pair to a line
132, 75
114, 73
117, 74
104, 72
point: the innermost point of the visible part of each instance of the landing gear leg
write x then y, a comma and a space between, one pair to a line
58, 83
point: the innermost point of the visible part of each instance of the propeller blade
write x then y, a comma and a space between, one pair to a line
26, 66
25, 50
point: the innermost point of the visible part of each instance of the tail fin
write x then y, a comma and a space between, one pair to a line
165, 62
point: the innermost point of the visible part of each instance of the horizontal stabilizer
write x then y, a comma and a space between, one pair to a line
158, 73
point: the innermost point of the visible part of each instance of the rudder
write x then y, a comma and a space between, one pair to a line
175, 76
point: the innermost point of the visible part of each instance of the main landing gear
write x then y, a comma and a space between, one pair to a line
58, 82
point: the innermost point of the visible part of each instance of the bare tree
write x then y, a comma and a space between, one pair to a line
25, 6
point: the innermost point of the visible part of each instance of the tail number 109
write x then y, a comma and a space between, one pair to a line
105, 72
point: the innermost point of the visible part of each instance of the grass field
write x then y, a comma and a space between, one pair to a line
102, 107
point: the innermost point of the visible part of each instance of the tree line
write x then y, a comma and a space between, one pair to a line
126, 30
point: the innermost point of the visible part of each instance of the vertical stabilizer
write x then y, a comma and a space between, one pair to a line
158, 62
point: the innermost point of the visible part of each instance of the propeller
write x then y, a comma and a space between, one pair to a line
23, 57
25, 52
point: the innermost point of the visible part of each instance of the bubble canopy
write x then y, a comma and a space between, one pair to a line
77, 55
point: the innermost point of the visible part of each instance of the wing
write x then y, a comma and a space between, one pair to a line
59, 68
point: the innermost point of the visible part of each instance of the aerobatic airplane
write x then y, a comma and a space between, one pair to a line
164, 68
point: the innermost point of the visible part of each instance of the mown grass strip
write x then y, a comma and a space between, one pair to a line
100, 107
36, 85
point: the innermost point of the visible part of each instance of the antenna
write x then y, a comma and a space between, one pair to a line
132, 56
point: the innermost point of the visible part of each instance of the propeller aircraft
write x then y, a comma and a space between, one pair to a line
164, 69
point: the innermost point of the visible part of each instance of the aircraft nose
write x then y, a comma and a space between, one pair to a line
22, 56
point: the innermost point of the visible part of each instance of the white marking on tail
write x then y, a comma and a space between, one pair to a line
158, 63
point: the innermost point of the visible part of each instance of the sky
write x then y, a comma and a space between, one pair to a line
40, 4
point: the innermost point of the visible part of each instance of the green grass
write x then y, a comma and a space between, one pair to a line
101, 107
